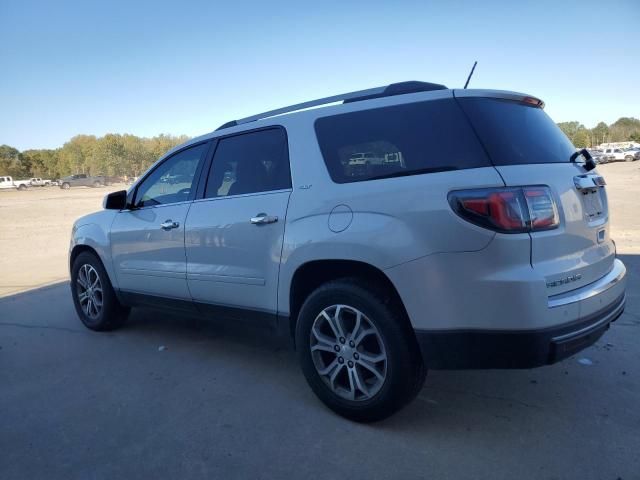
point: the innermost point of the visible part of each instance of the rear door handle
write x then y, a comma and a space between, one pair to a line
169, 224
263, 218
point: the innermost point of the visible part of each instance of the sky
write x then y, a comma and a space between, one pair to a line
151, 67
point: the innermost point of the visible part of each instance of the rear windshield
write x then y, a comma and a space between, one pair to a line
410, 139
517, 134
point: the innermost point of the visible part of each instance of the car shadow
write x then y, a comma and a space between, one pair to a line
451, 401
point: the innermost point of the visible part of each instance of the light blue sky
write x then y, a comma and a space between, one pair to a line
149, 67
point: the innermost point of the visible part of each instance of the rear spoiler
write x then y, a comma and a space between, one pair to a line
501, 94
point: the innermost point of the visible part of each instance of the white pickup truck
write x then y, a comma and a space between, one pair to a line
39, 182
614, 154
7, 183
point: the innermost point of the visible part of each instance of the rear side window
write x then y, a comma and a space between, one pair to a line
517, 134
250, 163
410, 139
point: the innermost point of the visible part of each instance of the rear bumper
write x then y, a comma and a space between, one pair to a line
477, 349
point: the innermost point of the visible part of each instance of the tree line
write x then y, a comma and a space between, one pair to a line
112, 155
624, 129
129, 155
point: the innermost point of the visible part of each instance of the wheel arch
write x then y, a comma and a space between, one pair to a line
310, 275
78, 249
92, 238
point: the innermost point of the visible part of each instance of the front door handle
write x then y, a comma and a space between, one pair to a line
169, 224
263, 218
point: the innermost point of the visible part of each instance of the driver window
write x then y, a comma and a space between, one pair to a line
173, 181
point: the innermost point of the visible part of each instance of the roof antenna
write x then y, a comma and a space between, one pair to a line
470, 73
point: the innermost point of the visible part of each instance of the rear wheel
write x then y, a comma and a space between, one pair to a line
93, 296
97, 183
22, 187
65, 186
357, 351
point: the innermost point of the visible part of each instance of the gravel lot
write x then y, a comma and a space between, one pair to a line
35, 243
221, 401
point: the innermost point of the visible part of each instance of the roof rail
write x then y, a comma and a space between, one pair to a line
379, 92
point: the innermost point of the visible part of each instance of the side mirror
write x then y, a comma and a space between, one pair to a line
115, 201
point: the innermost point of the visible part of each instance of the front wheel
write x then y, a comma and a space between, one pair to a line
93, 296
357, 351
628, 158
96, 184
65, 186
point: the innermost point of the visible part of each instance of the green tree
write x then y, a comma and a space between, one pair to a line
570, 128
576, 132
600, 133
137, 155
624, 128
34, 161
582, 139
11, 162
112, 154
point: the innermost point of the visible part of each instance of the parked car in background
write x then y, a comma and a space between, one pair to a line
632, 154
367, 158
39, 182
7, 183
484, 243
614, 154
82, 180
598, 156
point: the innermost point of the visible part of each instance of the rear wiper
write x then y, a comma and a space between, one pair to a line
406, 173
589, 164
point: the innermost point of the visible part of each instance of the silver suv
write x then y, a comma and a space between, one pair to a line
482, 240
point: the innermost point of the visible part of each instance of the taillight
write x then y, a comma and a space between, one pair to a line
543, 213
507, 210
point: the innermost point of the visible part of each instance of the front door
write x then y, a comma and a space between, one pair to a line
234, 235
147, 241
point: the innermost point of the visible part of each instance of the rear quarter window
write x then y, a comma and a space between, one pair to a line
400, 140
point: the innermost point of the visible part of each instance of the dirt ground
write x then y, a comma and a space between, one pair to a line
37, 225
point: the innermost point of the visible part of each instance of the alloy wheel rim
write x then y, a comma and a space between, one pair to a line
89, 290
348, 352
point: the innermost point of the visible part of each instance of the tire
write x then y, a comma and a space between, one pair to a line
111, 314
97, 184
402, 368
65, 186
628, 158
22, 188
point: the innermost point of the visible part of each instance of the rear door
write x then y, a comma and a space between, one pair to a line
147, 241
234, 234
527, 148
